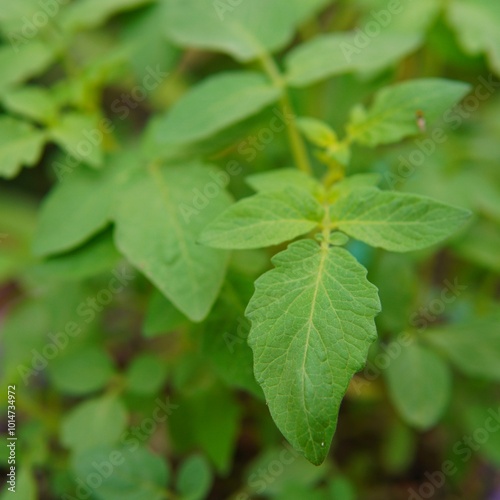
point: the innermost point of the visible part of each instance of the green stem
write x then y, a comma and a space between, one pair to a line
298, 147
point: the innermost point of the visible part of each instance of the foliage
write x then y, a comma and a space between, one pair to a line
255, 231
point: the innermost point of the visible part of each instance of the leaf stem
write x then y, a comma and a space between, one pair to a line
298, 147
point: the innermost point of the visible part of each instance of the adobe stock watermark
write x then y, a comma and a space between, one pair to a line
248, 148
463, 450
87, 310
454, 117
364, 36
242, 331
129, 441
121, 107
420, 320
48, 9
222, 7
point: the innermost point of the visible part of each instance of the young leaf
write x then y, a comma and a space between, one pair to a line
243, 30
20, 144
473, 346
312, 324
146, 374
281, 179
329, 55
395, 221
392, 116
419, 383
165, 249
263, 220
216, 103
317, 132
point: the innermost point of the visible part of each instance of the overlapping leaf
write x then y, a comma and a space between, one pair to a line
157, 227
264, 219
396, 221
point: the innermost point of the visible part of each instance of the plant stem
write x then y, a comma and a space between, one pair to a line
298, 147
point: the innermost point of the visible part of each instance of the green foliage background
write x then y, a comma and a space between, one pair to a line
128, 128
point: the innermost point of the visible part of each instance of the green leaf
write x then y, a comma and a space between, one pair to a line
189, 274
79, 135
312, 326
264, 219
194, 479
161, 316
317, 132
329, 55
473, 346
87, 14
35, 103
281, 179
20, 144
93, 423
95, 257
419, 384
476, 24
395, 221
20, 60
354, 182
243, 30
200, 423
393, 115
146, 374
128, 473
215, 104
74, 210
81, 371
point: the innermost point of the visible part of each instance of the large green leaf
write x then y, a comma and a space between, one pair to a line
264, 219
216, 103
242, 29
329, 55
20, 144
419, 383
393, 115
158, 220
126, 473
312, 324
395, 221
473, 346
476, 24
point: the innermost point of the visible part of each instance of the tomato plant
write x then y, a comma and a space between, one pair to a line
259, 253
